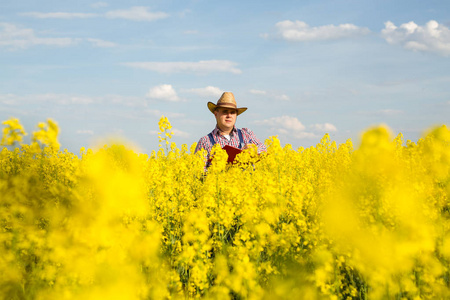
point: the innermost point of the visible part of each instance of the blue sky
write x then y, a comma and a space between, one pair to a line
303, 68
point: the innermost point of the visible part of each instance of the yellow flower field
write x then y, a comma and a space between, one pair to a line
325, 222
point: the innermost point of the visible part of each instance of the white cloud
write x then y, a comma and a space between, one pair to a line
274, 95
382, 113
287, 126
60, 99
9, 99
258, 92
282, 97
14, 37
158, 113
65, 99
163, 92
301, 32
136, 13
179, 133
87, 131
99, 5
176, 133
303, 135
326, 127
390, 112
101, 43
78, 100
432, 37
184, 13
190, 32
129, 101
290, 123
204, 66
209, 91
118, 131
58, 15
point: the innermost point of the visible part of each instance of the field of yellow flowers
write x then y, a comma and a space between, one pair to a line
325, 222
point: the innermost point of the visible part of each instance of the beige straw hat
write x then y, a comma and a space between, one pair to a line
227, 101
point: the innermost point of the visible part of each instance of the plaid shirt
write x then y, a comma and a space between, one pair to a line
247, 135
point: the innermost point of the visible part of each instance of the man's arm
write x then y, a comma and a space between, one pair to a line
250, 138
204, 143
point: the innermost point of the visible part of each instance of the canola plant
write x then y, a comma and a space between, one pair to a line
325, 222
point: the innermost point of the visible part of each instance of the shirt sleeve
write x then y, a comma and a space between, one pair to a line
204, 143
250, 138
201, 145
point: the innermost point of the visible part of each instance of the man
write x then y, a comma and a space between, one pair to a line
226, 133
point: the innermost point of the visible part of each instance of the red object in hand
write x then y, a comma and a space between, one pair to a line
232, 152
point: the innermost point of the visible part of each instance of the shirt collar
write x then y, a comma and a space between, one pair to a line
216, 130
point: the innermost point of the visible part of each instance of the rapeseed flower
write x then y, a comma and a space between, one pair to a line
329, 221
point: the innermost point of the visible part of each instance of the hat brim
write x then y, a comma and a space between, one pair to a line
212, 107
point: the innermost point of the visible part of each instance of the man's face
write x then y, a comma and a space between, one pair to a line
226, 118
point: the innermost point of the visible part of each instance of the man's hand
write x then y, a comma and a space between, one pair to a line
249, 146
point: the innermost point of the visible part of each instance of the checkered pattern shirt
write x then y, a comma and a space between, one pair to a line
248, 136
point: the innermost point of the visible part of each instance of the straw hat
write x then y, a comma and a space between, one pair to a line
227, 101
